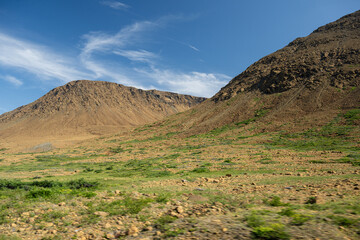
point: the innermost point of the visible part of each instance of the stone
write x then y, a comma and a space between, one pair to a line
133, 230
107, 225
49, 224
110, 236
102, 214
180, 209
25, 214
62, 204
80, 234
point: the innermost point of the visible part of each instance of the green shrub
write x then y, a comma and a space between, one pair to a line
40, 193
163, 222
352, 115
150, 174
272, 232
275, 202
123, 207
53, 215
10, 184
163, 198
201, 170
311, 200
343, 221
299, 219
86, 194
287, 212
116, 149
254, 220
82, 183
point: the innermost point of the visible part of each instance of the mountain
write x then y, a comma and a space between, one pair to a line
310, 81
84, 108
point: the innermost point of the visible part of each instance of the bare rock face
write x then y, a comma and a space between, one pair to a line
313, 77
91, 108
330, 54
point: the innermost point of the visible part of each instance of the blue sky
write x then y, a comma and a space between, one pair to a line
189, 46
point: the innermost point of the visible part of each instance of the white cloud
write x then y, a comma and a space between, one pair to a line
193, 48
3, 110
102, 42
37, 60
137, 56
96, 61
98, 42
116, 5
193, 83
12, 80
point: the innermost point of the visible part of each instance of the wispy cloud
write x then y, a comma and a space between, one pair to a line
106, 44
193, 48
13, 80
193, 83
137, 56
3, 110
98, 60
116, 5
102, 42
37, 60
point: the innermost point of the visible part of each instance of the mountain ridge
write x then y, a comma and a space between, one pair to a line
86, 107
313, 77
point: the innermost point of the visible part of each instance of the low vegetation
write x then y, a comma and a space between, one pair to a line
232, 182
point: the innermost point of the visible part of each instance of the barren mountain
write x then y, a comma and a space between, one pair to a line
85, 108
310, 80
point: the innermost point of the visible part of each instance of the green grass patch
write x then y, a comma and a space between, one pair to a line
271, 232
352, 115
126, 206
353, 158
275, 201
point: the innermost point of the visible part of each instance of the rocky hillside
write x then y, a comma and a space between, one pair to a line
315, 76
91, 107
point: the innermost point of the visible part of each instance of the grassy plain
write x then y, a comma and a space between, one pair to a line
155, 183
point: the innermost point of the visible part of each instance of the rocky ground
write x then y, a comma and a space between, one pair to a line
152, 183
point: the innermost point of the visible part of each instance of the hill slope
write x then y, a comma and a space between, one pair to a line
85, 108
309, 80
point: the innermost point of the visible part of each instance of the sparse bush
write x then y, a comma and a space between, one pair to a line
254, 220
287, 212
82, 183
343, 221
272, 232
116, 149
275, 202
158, 174
201, 170
53, 215
163, 222
352, 115
123, 207
163, 198
311, 200
299, 219
40, 193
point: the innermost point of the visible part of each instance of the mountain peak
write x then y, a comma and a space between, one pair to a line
86, 107
330, 54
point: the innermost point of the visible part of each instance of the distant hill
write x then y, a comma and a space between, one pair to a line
84, 108
310, 81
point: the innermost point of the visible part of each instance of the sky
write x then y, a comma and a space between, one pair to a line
186, 46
